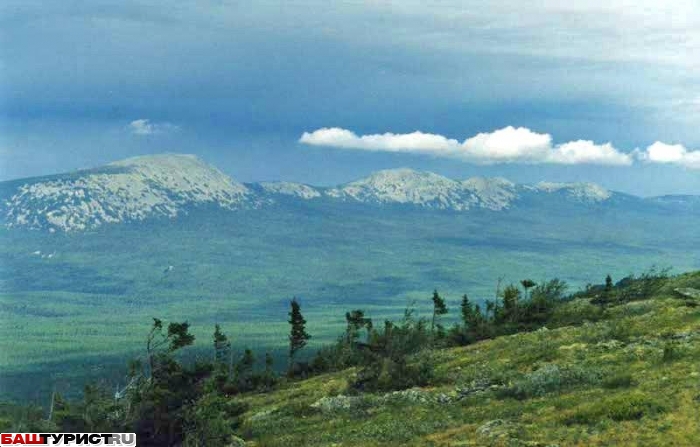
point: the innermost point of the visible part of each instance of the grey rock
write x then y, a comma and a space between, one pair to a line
236, 442
475, 387
331, 404
688, 292
411, 395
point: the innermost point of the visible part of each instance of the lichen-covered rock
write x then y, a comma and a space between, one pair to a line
410, 395
500, 432
330, 404
609, 345
474, 387
236, 442
688, 292
443, 398
264, 414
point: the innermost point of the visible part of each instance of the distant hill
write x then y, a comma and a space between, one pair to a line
170, 185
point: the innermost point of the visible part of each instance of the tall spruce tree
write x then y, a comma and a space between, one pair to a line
298, 335
467, 312
439, 308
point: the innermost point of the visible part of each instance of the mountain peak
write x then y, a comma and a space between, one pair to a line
404, 186
299, 190
492, 193
166, 157
128, 190
400, 175
586, 192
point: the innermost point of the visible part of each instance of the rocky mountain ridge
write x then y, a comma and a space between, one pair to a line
169, 185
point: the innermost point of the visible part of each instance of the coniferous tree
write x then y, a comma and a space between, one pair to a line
356, 320
269, 363
244, 370
474, 321
298, 335
222, 347
439, 308
511, 296
608, 285
606, 296
467, 311
527, 285
160, 345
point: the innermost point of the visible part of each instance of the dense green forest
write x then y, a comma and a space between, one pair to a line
75, 304
171, 399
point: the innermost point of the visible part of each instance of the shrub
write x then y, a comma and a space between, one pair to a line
672, 352
621, 380
397, 374
619, 408
542, 350
211, 420
576, 312
548, 379
620, 329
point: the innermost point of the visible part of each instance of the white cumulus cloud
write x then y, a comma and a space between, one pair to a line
671, 154
389, 142
144, 126
586, 151
507, 145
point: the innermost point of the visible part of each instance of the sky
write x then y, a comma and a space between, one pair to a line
327, 92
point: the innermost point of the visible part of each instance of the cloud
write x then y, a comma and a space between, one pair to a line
587, 152
146, 127
388, 142
670, 154
507, 145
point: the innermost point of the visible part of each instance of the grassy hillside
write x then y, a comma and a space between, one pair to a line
631, 377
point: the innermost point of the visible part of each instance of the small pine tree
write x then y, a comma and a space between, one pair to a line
606, 296
160, 345
608, 284
269, 363
527, 285
298, 335
511, 296
439, 308
222, 347
467, 311
474, 320
356, 320
244, 367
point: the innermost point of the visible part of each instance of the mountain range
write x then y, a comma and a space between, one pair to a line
169, 185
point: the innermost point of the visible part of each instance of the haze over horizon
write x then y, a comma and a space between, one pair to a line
325, 94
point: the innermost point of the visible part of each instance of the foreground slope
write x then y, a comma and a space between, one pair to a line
632, 377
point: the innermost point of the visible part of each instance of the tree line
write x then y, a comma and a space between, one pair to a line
169, 402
